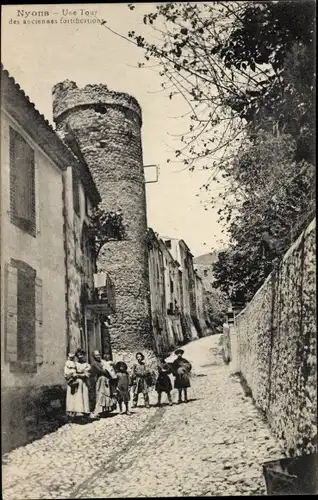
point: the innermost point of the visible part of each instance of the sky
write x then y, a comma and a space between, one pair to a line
38, 56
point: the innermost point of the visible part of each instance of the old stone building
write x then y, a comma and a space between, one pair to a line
47, 264
215, 302
172, 296
165, 295
53, 299
104, 128
203, 264
189, 321
90, 296
176, 291
157, 293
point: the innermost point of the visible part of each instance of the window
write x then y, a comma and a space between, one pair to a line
171, 286
86, 204
76, 199
168, 244
24, 316
88, 253
205, 272
22, 183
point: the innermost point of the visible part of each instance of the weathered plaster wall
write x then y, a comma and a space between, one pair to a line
157, 294
107, 127
186, 287
163, 271
276, 346
45, 253
32, 403
74, 261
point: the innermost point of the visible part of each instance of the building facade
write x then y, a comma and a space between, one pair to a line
157, 293
215, 302
47, 264
176, 291
184, 257
165, 295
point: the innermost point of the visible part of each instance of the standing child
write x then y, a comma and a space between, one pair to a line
181, 369
70, 372
141, 380
123, 383
70, 363
163, 383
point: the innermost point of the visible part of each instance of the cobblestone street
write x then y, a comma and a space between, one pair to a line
213, 446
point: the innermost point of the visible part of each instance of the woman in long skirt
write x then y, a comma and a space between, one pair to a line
181, 369
108, 365
77, 401
102, 379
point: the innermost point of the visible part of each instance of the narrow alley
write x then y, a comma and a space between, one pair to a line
213, 446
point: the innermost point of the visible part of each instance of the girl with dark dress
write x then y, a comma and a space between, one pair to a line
163, 383
123, 384
181, 369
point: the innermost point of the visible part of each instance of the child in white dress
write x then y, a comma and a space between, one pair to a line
70, 370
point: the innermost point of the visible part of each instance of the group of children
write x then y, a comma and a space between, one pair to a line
140, 380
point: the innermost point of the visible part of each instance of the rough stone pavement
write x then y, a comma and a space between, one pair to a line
213, 446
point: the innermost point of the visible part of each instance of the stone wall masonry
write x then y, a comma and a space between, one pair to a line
32, 411
276, 347
107, 128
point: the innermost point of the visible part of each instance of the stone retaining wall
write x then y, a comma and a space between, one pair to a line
276, 346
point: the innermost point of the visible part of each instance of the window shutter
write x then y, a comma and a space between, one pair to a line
28, 183
22, 183
38, 321
13, 173
12, 314
24, 159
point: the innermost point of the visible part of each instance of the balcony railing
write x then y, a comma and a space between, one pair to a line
102, 299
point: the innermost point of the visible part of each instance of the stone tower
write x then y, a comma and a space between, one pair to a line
107, 129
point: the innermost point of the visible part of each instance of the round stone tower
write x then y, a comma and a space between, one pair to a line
107, 129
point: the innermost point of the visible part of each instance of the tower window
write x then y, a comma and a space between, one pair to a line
99, 108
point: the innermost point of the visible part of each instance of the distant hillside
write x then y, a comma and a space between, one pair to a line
206, 259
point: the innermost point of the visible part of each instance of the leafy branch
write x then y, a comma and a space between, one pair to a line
105, 227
